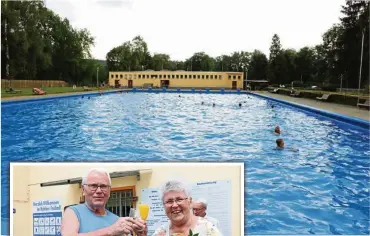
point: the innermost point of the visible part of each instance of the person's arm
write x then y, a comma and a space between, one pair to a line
71, 225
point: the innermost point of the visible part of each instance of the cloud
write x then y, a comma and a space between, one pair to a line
115, 3
66, 9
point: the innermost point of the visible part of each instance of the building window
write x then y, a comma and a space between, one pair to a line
112, 76
186, 76
164, 76
177, 76
229, 76
206, 76
238, 76
116, 76
234, 77
160, 76
121, 201
211, 76
139, 76
198, 76
202, 76
219, 77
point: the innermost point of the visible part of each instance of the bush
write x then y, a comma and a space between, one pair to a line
330, 88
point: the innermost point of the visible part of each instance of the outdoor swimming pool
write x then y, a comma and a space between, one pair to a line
322, 189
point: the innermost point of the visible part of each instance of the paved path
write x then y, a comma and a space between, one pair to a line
331, 107
53, 95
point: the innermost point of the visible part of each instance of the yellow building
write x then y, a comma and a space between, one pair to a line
37, 183
177, 79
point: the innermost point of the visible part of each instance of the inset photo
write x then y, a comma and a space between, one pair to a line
155, 199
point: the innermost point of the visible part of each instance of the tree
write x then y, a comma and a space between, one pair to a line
160, 62
131, 55
305, 64
257, 69
200, 61
355, 23
276, 60
53, 51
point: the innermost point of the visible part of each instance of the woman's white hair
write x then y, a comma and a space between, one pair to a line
175, 185
96, 170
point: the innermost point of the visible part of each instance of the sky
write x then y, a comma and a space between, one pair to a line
180, 28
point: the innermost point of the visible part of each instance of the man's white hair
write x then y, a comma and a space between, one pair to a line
202, 201
175, 185
96, 170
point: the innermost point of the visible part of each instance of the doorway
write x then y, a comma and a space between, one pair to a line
116, 84
130, 83
234, 85
165, 83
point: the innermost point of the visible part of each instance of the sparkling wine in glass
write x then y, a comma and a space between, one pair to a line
144, 211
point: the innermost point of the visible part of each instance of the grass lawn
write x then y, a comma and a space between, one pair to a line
49, 90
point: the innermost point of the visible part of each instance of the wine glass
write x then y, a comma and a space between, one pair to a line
144, 211
132, 214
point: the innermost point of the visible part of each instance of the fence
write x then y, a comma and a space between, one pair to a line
32, 83
347, 90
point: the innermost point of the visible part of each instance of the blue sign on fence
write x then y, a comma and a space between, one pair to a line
47, 217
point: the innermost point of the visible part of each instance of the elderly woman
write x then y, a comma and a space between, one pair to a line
177, 203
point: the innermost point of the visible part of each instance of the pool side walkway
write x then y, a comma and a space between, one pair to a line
328, 106
16, 98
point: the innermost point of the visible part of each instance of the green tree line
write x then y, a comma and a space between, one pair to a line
37, 44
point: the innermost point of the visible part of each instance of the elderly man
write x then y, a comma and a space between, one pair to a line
91, 217
199, 209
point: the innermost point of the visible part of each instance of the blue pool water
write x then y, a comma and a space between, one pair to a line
322, 189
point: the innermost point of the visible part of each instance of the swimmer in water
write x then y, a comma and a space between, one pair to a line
280, 145
202, 103
240, 105
213, 104
272, 106
277, 130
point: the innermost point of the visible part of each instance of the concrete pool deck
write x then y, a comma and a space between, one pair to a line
328, 106
331, 107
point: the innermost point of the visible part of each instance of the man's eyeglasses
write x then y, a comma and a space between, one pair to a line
170, 202
198, 209
94, 187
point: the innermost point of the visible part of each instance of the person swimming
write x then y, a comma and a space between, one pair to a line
240, 105
280, 145
213, 104
202, 103
277, 130
272, 106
